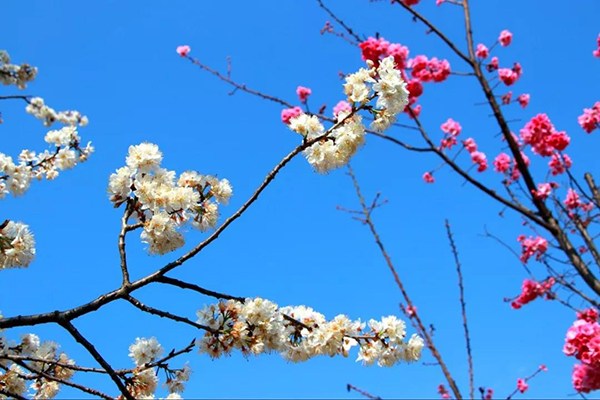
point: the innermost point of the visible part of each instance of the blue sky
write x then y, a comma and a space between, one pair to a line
116, 62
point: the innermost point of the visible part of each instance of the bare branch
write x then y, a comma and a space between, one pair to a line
463, 309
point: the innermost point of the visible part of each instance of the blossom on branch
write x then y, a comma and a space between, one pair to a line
258, 326
163, 205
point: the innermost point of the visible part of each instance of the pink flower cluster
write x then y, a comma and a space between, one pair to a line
489, 394
596, 52
427, 70
504, 164
477, 157
428, 177
532, 246
303, 93
184, 50
531, 290
451, 130
543, 138
376, 49
505, 38
544, 190
522, 385
573, 201
508, 76
443, 392
523, 99
590, 119
559, 163
482, 51
289, 113
583, 342
422, 68
342, 106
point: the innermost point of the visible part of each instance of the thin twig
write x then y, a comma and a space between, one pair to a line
339, 21
164, 314
364, 393
196, 288
423, 330
463, 309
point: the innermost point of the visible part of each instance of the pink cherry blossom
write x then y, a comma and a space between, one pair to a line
482, 51
543, 190
429, 70
507, 76
532, 246
505, 38
480, 159
586, 378
559, 163
414, 87
523, 99
493, 65
590, 119
502, 163
543, 138
341, 106
531, 290
596, 52
572, 200
400, 54
443, 392
411, 311
428, 178
303, 93
522, 385
184, 50
289, 113
373, 49
470, 145
489, 394
451, 127
506, 98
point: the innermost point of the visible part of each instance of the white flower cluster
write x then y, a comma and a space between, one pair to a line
44, 358
335, 149
16, 178
298, 333
38, 109
337, 146
18, 75
145, 381
162, 203
17, 246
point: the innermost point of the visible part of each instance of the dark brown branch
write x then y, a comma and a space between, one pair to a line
550, 222
435, 30
16, 97
593, 188
520, 209
77, 368
97, 356
463, 309
122, 251
196, 288
49, 377
164, 314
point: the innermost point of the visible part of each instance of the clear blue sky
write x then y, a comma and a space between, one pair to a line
116, 62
